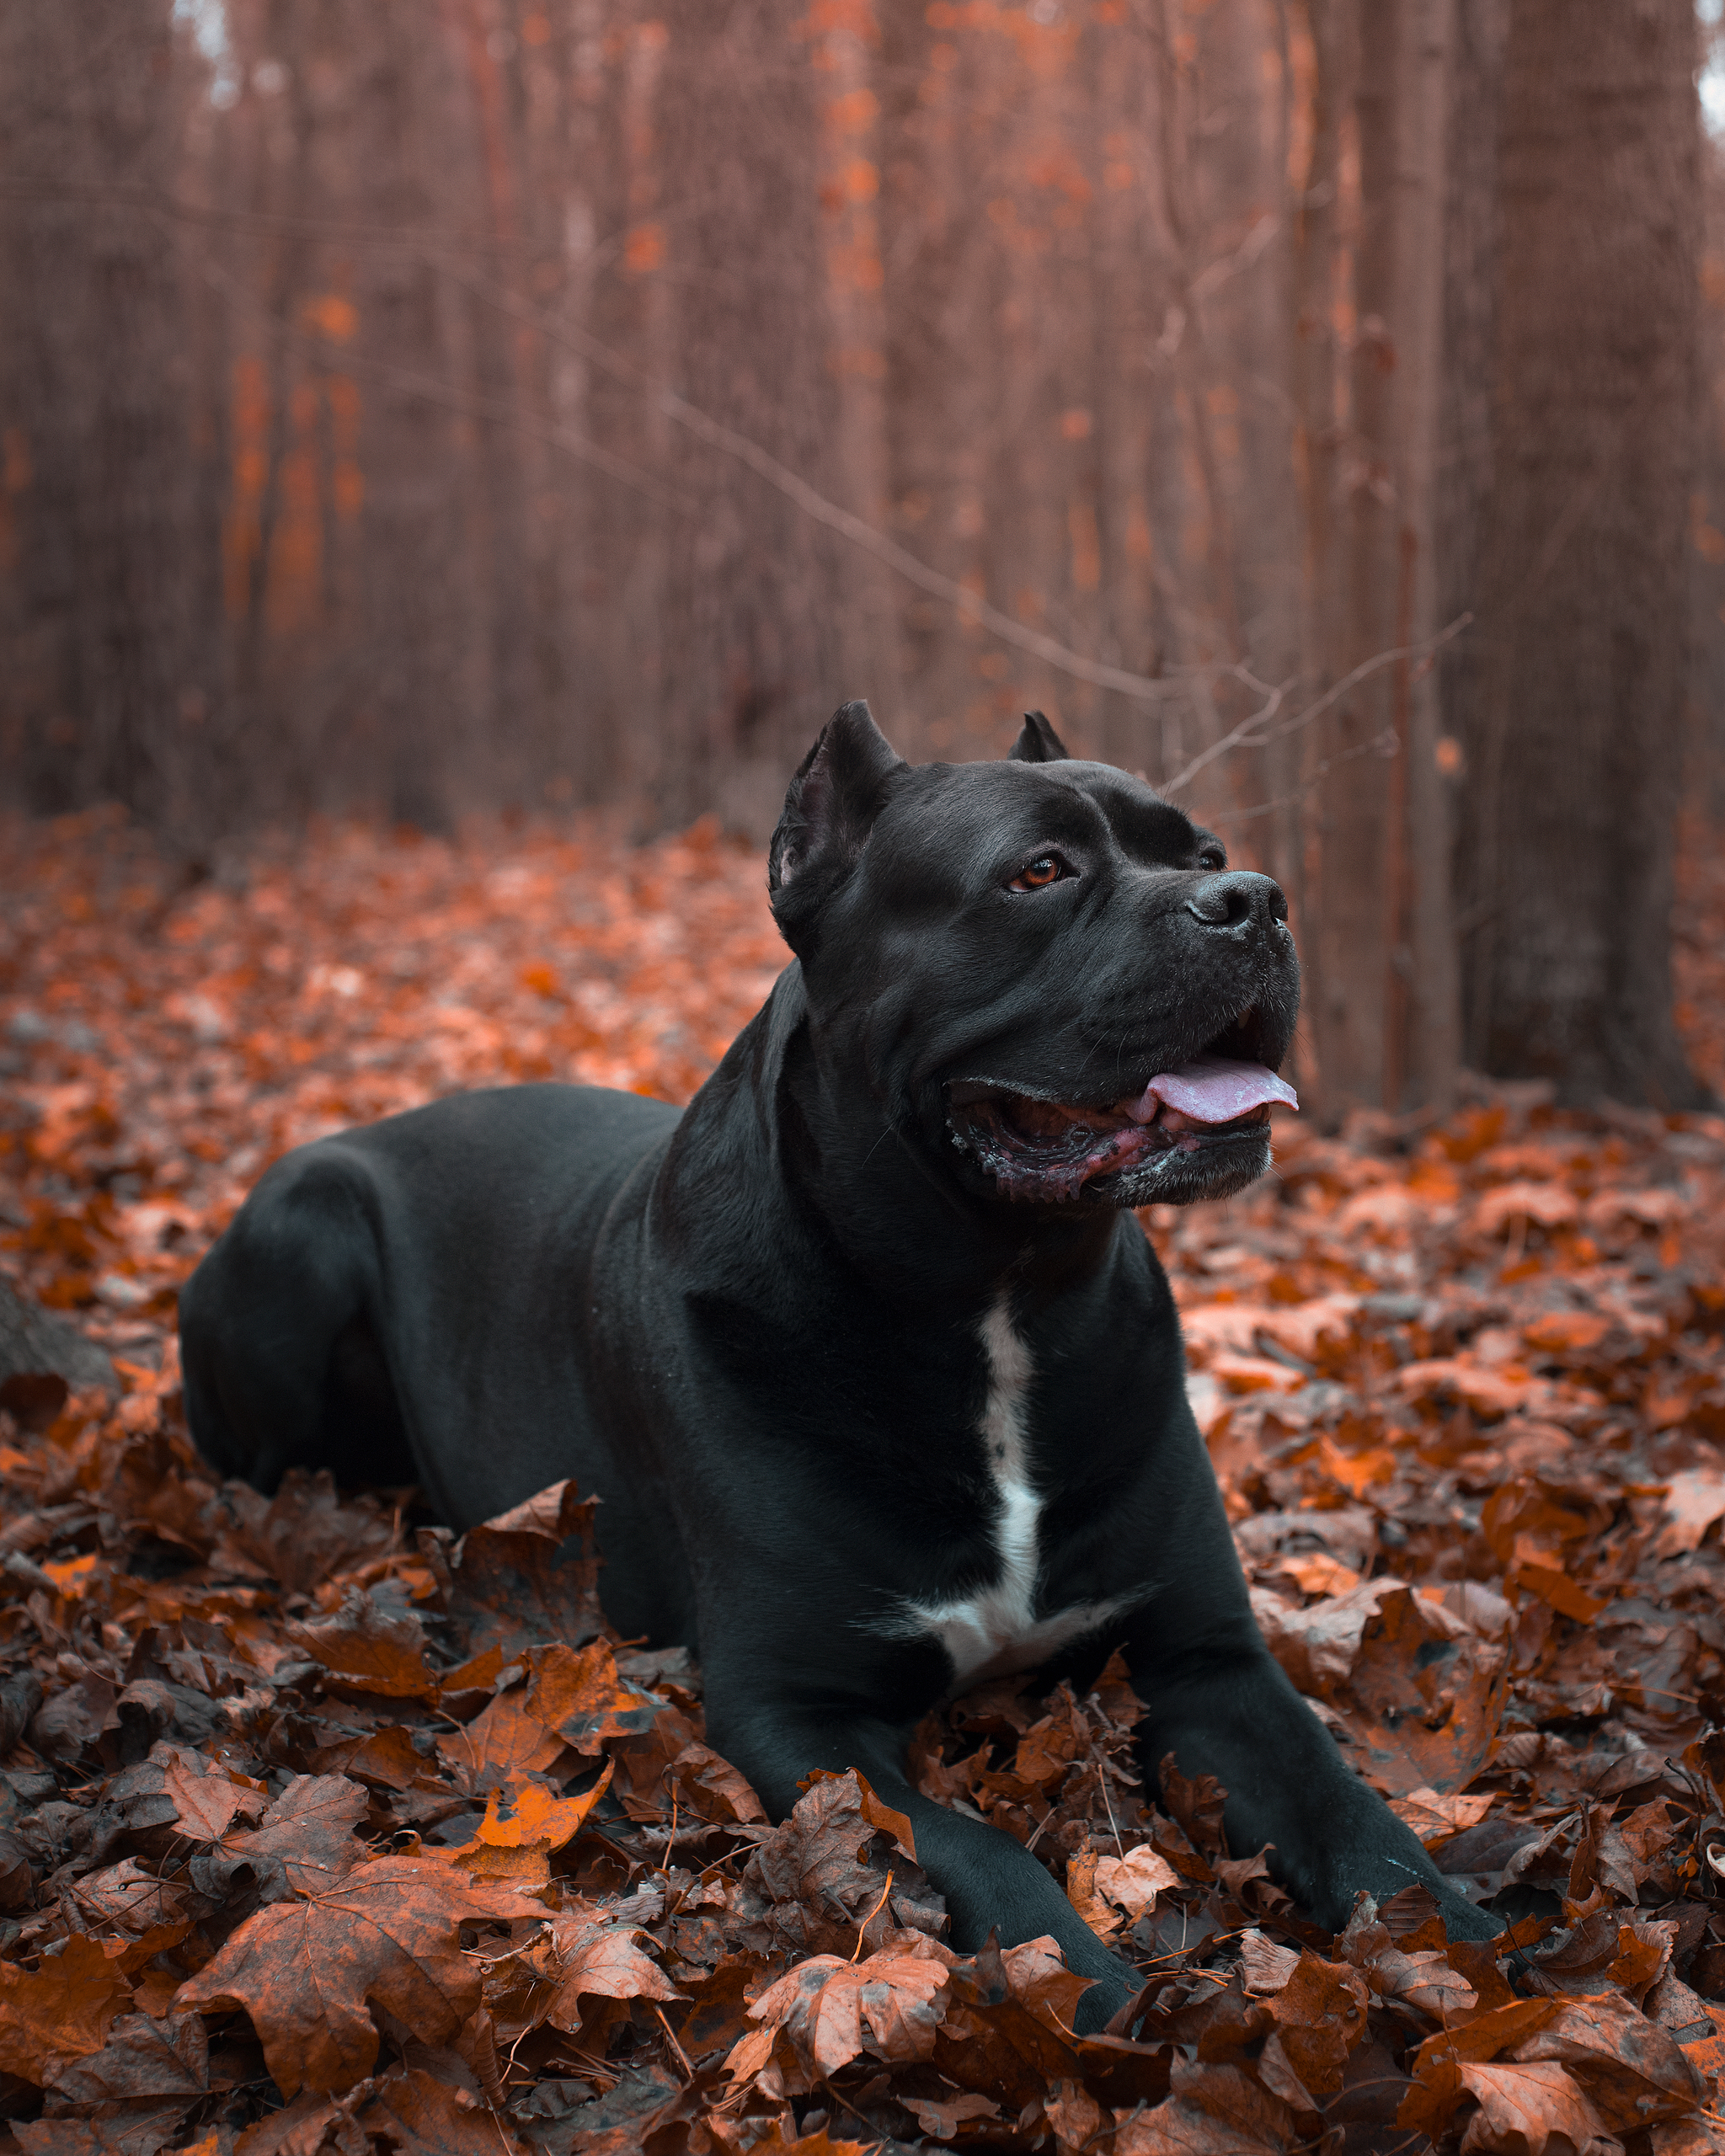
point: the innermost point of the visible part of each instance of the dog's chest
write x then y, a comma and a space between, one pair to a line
994, 1629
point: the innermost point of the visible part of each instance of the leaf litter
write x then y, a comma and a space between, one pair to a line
322, 1831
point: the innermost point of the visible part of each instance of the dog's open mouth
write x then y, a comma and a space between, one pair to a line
1189, 1125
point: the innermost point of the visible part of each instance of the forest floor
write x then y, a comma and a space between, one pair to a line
319, 1830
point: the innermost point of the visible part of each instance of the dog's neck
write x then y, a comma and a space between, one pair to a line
904, 1227
898, 1214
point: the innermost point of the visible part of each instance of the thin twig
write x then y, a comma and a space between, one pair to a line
1102, 1777
682, 2056
1243, 737
670, 1841
868, 1920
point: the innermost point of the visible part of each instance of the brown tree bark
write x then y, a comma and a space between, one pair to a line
421, 622
117, 598
1574, 748
1383, 1009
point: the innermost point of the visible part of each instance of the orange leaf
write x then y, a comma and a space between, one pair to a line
592, 1959
1560, 1591
505, 1740
58, 2011
1532, 2103
831, 2011
308, 1971
536, 1816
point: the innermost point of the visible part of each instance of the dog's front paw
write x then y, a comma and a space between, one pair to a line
1466, 1920
1104, 1999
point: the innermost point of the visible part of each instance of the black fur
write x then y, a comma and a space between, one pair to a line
752, 1328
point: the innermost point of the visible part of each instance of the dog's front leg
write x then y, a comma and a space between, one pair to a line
1227, 1709
989, 1881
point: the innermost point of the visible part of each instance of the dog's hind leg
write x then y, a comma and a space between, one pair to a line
282, 1363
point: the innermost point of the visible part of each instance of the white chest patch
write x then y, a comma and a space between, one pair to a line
995, 1630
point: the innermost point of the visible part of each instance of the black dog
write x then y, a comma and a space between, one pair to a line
879, 1381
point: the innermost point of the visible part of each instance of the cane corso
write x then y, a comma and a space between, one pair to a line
877, 1375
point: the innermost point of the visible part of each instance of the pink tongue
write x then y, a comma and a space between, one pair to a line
1213, 1089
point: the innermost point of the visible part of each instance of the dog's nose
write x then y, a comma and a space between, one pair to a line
1239, 902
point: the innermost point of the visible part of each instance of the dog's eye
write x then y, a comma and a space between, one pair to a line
1212, 857
1046, 868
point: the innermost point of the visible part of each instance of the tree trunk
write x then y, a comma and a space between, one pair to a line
421, 625
1384, 1010
1573, 751
117, 618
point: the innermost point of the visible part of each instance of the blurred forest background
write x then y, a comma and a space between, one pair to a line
550, 406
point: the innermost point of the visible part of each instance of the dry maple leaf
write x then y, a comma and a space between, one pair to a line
306, 1970
141, 2057
307, 1533
59, 2010
302, 1842
775, 2142
525, 1813
1320, 2013
1133, 1881
1521, 2107
714, 1788
592, 1959
367, 1647
1080, 1893
1429, 2104
1633, 2071
530, 1574
814, 1879
503, 1742
1694, 1500
1213, 2110
1434, 1817
175, 1793
582, 1697
828, 2012
523, 1823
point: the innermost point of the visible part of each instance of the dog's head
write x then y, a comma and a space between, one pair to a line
1024, 961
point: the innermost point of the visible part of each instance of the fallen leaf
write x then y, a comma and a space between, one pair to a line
527, 1814
1694, 1500
306, 1971
58, 2012
1521, 2107
141, 2058
828, 2011
368, 1648
1133, 1881
302, 1842
591, 1959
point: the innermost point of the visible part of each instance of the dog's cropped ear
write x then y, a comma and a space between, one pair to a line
1038, 743
840, 788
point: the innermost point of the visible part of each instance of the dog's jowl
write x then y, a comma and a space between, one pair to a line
879, 1378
